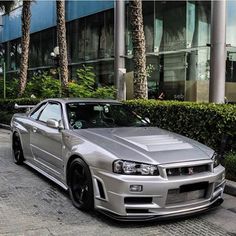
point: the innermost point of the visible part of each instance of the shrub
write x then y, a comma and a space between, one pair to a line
104, 92
46, 86
206, 123
230, 166
86, 77
86, 86
12, 88
77, 90
40, 85
43, 86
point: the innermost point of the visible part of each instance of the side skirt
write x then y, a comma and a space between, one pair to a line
46, 175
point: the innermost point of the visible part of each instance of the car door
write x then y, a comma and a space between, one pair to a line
46, 142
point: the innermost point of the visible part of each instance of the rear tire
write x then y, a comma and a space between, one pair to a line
18, 155
80, 185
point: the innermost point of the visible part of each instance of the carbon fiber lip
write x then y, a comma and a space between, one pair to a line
163, 217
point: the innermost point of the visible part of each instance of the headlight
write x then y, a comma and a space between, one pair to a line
216, 160
134, 168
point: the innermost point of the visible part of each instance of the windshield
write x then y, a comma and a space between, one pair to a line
84, 115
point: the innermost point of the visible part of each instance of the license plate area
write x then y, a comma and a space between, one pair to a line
187, 193
193, 187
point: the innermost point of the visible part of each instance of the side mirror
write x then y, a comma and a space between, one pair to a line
53, 123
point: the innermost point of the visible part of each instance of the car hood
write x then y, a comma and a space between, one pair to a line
146, 144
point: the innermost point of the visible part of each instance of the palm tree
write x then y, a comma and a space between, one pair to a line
61, 37
139, 51
25, 42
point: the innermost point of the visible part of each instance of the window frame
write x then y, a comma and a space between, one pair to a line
46, 104
36, 109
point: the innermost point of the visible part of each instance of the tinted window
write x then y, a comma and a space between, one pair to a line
82, 116
51, 111
36, 113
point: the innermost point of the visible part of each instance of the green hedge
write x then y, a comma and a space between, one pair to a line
230, 166
7, 107
204, 122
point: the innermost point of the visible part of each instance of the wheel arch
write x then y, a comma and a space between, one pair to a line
13, 136
16, 137
72, 158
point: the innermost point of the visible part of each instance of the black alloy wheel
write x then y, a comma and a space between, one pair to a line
18, 155
80, 185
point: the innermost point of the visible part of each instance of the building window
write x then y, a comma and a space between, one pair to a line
76, 40
148, 21
14, 54
231, 23
92, 37
41, 45
103, 70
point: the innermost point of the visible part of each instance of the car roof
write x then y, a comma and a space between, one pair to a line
82, 100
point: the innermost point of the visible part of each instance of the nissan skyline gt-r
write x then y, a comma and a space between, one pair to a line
111, 159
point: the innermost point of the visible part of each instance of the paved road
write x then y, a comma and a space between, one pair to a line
32, 205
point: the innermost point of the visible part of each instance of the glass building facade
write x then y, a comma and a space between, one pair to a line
177, 45
177, 35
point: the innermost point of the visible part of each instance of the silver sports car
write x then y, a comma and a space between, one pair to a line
111, 159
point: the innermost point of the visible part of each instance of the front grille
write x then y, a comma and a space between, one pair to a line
174, 196
187, 193
189, 170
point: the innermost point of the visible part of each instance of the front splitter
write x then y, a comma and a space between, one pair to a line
177, 215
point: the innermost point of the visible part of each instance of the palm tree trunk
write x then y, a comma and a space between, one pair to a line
139, 50
61, 36
25, 41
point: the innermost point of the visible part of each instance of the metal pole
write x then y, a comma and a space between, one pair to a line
4, 80
119, 40
218, 51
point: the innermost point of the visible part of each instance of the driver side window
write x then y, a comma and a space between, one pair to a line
51, 111
37, 112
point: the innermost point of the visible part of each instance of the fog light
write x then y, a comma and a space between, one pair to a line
136, 188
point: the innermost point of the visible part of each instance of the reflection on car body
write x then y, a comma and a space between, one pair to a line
112, 160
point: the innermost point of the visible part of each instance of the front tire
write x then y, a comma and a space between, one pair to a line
80, 185
18, 155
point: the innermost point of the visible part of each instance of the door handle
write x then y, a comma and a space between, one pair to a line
34, 129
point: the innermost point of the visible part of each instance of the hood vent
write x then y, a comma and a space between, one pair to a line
155, 143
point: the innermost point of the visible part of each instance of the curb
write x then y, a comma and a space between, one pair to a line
4, 126
230, 187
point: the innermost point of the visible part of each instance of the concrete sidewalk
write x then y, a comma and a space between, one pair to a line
4, 136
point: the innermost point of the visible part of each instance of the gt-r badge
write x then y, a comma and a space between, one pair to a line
190, 170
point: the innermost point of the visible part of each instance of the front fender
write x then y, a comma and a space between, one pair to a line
93, 155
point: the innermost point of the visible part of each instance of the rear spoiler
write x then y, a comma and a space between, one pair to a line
27, 107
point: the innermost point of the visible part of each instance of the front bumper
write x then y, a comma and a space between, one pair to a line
114, 198
176, 215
